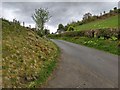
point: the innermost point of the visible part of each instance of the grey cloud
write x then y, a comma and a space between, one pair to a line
62, 12
61, 1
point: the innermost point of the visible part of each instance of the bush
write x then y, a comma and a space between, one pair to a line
106, 33
89, 33
70, 28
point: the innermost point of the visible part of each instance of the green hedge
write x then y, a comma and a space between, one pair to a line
106, 33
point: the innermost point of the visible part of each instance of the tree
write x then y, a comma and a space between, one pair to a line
52, 33
47, 31
65, 28
104, 12
87, 16
60, 28
41, 16
100, 14
115, 8
23, 23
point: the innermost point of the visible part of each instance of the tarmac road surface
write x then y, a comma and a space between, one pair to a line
84, 67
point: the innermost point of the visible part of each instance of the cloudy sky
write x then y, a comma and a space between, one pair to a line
62, 12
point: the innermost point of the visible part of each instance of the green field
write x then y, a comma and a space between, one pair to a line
111, 22
27, 59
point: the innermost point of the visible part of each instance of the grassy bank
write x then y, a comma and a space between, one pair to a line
46, 71
28, 60
111, 22
110, 46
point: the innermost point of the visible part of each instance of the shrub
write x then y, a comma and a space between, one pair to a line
106, 33
89, 33
70, 28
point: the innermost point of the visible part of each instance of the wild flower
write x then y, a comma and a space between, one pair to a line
17, 51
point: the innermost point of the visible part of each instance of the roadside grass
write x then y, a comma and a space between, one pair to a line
46, 71
27, 59
111, 22
110, 46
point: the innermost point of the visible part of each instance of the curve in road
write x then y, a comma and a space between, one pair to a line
84, 67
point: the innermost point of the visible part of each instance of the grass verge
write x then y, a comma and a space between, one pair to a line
101, 44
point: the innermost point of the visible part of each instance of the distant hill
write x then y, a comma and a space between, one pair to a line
25, 55
111, 22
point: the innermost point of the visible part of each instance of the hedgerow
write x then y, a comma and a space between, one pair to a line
106, 33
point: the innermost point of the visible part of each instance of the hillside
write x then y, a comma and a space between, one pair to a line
101, 34
27, 58
111, 22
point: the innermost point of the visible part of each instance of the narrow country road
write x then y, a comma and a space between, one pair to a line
83, 67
